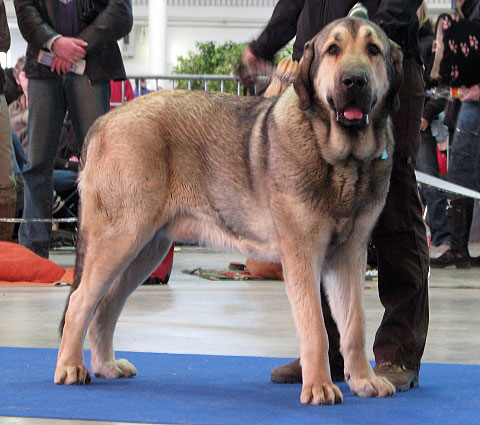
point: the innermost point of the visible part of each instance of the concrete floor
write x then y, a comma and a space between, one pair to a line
250, 318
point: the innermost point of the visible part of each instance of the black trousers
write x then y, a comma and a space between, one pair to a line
400, 239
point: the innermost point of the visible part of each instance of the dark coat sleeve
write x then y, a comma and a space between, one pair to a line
394, 14
281, 28
4, 31
112, 23
35, 30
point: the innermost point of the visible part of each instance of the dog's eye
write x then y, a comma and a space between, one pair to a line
373, 50
333, 50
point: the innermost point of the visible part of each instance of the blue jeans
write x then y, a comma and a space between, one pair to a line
49, 100
464, 165
434, 199
64, 180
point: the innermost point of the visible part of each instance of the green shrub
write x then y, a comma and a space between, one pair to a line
215, 59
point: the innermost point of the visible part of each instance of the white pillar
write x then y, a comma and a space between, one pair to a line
157, 36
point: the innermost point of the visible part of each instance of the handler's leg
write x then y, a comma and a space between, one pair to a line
403, 259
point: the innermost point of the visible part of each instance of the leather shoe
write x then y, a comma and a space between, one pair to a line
402, 378
291, 373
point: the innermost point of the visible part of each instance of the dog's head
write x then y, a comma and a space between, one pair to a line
352, 69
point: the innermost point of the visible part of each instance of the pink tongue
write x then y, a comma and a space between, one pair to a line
353, 113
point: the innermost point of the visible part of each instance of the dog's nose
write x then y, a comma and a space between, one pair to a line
354, 81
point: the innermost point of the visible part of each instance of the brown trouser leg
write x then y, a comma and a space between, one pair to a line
400, 238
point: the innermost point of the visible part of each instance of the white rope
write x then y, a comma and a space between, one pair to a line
446, 186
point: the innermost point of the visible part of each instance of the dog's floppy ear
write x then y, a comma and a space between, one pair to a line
396, 64
302, 83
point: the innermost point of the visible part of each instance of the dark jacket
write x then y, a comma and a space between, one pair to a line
471, 10
37, 20
433, 105
4, 42
305, 18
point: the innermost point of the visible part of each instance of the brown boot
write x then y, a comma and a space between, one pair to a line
402, 378
6, 229
291, 373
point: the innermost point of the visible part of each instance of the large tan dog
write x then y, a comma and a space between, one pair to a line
300, 178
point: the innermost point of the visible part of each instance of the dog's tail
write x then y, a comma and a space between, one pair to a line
282, 77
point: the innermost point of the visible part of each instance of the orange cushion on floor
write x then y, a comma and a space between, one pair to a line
18, 263
265, 270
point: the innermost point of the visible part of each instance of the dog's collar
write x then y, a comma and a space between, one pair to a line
384, 155
287, 78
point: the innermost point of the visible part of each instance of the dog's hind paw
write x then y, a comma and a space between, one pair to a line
120, 368
72, 375
376, 386
327, 393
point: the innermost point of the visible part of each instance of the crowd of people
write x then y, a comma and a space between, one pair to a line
51, 108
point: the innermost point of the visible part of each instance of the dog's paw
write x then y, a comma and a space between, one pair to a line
375, 386
72, 375
120, 368
325, 393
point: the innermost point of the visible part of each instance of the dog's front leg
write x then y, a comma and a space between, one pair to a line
343, 281
302, 277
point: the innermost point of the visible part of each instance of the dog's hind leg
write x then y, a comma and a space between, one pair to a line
108, 311
343, 280
108, 252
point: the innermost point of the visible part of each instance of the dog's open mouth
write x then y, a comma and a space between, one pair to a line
350, 114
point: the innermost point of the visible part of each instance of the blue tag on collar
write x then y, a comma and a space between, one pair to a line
384, 154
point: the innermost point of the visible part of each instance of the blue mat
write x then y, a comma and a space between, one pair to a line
197, 389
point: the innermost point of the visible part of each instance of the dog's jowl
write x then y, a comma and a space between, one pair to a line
299, 179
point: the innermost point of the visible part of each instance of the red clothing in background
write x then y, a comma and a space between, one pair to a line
116, 91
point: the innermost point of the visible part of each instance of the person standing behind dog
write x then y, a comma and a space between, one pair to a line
73, 31
433, 132
8, 195
400, 235
464, 163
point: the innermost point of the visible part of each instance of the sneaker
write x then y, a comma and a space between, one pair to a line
441, 249
402, 378
291, 373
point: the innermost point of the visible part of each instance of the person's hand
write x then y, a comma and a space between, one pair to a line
424, 124
60, 66
70, 49
470, 93
248, 57
256, 65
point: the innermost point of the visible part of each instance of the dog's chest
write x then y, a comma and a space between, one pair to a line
352, 185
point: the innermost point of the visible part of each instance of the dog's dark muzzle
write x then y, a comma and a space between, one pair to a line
352, 99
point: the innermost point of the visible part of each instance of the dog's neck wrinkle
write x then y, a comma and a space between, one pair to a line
365, 145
